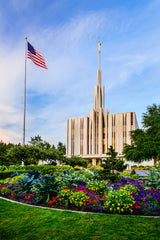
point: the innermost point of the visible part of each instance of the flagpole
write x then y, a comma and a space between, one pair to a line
24, 114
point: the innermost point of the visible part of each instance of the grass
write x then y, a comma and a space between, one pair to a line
30, 223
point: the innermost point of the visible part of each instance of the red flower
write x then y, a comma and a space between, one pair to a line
135, 206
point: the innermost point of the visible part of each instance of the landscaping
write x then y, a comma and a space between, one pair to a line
85, 190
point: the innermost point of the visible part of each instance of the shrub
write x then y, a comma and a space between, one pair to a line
96, 186
5, 190
15, 179
34, 173
47, 187
3, 168
119, 201
25, 184
64, 194
78, 198
153, 179
74, 161
9, 173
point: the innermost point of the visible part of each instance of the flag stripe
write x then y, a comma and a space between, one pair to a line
36, 61
36, 57
30, 56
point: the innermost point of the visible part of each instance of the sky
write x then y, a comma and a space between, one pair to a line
66, 32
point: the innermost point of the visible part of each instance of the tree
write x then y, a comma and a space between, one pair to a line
3, 151
61, 148
27, 153
112, 163
37, 141
145, 144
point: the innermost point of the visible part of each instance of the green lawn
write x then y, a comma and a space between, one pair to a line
28, 223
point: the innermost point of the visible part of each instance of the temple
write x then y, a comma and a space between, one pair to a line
90, 137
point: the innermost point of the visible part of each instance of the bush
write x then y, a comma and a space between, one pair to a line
78, 199
46, 187
75, 161
9, 173
64, 194
96, 186
120, 201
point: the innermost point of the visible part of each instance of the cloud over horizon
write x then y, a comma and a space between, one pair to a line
130, 60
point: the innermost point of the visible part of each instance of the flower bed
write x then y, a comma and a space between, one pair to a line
124, 197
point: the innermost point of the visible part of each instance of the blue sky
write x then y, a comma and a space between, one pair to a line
66, 32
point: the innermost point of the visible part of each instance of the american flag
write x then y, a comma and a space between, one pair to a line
36, 57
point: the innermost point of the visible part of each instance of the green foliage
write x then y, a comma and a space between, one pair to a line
34, 173
120, 201
3, 168
31, 154
15, 179
61, 148
97, 186
9, 173
5, 190
78, 198
46, 187
75, 161
71, 177
25, 184
129, 175
64, 194
112, 165
3, 151
28, 154
37, 141
153, 179
145, 143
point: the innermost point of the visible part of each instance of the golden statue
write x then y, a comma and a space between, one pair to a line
99, 46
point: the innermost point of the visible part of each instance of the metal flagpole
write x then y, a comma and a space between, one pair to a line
24, 115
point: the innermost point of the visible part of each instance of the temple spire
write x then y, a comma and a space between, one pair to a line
99, 53
99, 88
99, 68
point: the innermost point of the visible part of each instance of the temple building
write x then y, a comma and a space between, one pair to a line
90, 137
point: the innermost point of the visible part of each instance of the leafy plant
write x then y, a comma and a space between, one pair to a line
64, 194
26, 183
34, 173
120, 201
78, 198
96, 186
71, 177
5, 190
47, 187
153, 179
74, 161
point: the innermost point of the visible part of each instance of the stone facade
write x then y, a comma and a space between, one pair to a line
90, 137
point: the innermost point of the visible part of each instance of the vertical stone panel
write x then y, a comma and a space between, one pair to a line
85, 134
119, 133
109, 130
100, 131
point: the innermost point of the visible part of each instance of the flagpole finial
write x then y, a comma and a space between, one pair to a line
99, 46
26, 38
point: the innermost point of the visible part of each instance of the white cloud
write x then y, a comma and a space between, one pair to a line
129, 49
